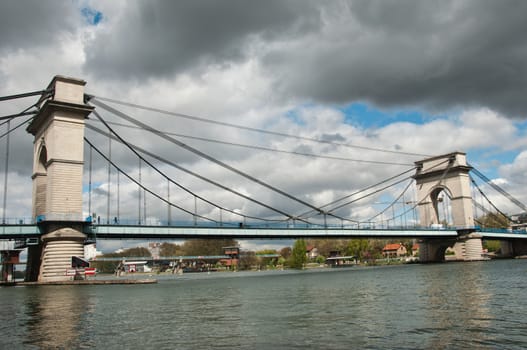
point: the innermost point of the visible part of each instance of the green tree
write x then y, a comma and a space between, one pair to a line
266, 261
492, 246
326, 246
320, 259
358, 248
298, 254
207, 246
266, 251
493, 220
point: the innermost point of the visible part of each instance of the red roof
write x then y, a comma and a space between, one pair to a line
393, 246
310, 248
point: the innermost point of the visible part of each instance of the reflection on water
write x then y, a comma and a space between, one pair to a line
445, 306
456, 301
55, 316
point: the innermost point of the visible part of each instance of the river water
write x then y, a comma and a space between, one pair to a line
478, 305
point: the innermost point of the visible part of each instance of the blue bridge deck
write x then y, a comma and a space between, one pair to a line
172, 232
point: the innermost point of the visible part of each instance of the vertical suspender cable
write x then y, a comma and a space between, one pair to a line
89, 184
169, 207
6, 171
195, 211
144, 206
139, 196
404, 213
109, 180
118, 199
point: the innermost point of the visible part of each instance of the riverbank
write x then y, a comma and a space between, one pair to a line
82, 282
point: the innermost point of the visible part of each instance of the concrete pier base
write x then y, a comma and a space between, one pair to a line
513, 248
50, 260
433, 250
466, 248
58, 248
469, 248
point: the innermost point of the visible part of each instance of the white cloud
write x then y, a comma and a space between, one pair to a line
278, 82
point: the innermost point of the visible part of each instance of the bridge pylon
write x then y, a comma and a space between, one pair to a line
447, 173
58, 159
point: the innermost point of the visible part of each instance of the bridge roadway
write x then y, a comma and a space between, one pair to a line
182, 232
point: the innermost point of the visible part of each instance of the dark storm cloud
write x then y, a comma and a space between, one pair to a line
30, 24
436, 54
433, 54
162, 38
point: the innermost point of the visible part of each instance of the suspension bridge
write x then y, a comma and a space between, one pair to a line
442, 211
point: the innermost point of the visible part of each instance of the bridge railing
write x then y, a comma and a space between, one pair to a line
503, 230
271, 225
27, 220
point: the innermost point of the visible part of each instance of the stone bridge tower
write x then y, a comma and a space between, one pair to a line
448, 173
58, 159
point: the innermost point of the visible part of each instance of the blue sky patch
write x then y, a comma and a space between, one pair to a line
364, 115
91, 16
86, 187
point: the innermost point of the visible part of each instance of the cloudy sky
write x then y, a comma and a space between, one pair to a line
382, 83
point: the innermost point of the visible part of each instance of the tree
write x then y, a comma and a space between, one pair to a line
285, 252
136, 252
266, 251
170, 249
326, 246
207, 246
298, 255
493, 220
247, 260
492, 246
266, 261
110, 266
357, 248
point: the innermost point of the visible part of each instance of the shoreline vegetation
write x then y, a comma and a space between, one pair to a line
197, 256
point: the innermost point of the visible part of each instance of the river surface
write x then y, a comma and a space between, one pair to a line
478, 305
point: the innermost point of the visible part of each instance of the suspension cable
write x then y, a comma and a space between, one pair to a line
44, 94
135, 149
261, 148
488, 200
275, 133
23, 95
142, 186
16, 127
359, 191
203, 155
372, 193
24, 112
393, 203
443, 175
419, 202
16, 115
499, 189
